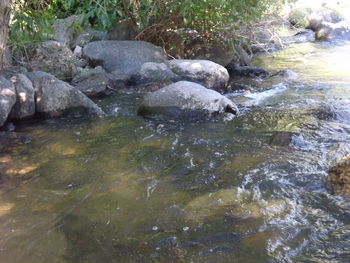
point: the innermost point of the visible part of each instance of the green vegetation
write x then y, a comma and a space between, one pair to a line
32, 19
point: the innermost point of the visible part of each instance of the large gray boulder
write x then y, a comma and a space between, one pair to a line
323, 15
209, 74
55, 98
122, 58
25, 102
152, 72
7, 99
329, 24
186, 99
333, 31
55, 58
311, 17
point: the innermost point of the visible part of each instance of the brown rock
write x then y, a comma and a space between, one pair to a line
339, 176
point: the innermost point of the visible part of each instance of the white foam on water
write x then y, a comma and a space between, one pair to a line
259, 97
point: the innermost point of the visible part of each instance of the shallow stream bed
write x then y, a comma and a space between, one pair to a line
128, 189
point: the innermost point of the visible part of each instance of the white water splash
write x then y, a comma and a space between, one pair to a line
259, 97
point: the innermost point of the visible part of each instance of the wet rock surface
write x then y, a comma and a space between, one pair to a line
306, 35
246, 71
186, 98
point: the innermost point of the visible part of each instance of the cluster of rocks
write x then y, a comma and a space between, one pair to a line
62, 73
24, 95
327, 23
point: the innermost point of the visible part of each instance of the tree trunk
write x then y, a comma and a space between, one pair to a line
5, 13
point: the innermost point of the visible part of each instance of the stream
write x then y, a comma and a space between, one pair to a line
129, 189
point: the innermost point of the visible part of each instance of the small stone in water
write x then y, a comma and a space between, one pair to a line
155, 228
186, 228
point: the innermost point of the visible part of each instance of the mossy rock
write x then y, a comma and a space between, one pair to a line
339, 176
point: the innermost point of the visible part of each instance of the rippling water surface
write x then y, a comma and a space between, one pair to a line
126, 189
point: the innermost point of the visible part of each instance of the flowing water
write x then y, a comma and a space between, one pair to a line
128, 189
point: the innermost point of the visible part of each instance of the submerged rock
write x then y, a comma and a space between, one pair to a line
55, 98
186, 99
25, 103
7, 139
122, 58
229, 202
209, 74
282, 138
7, 99
303, 36
246, 71
339, 176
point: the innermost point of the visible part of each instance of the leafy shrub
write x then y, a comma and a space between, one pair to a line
211, 18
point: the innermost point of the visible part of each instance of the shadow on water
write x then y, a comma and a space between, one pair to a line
126, 189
